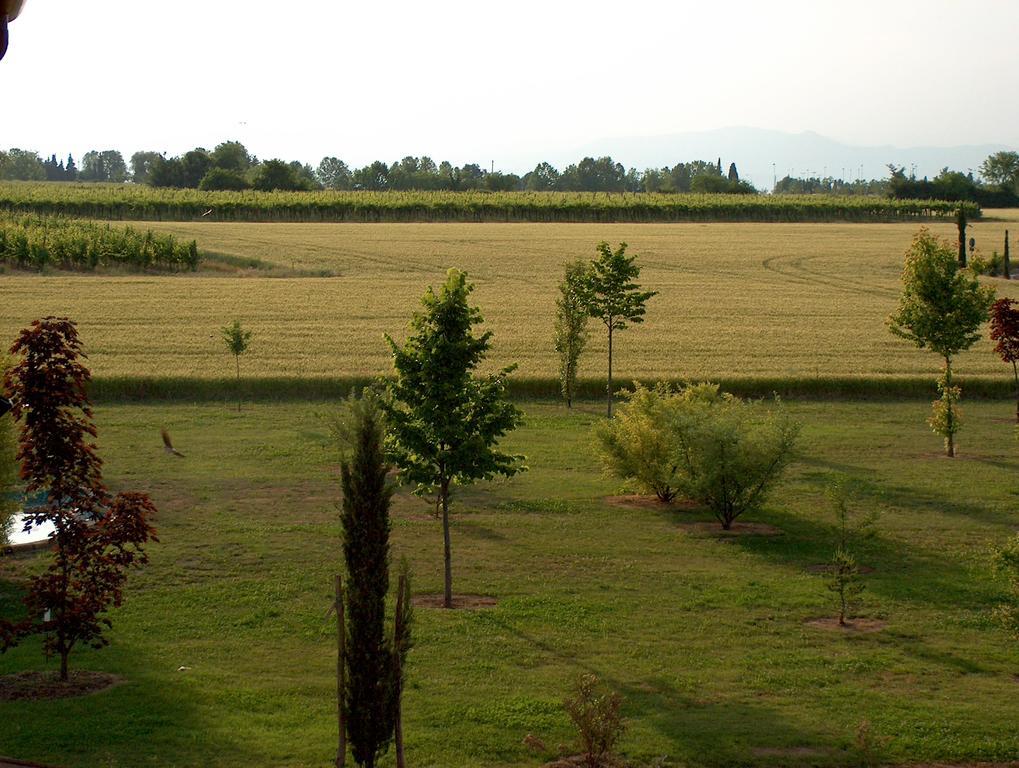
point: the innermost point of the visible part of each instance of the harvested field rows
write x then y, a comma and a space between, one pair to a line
750, 300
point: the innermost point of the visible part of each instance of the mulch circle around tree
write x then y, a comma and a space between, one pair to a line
42, 686
827, 568
852, 626
636, 501
460, 602
714, 528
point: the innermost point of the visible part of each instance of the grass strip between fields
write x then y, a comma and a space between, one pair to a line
295, 389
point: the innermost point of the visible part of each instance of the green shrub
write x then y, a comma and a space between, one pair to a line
640, 445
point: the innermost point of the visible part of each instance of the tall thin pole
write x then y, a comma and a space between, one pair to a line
341, 681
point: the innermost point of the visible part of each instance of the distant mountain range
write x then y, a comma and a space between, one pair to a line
754, 150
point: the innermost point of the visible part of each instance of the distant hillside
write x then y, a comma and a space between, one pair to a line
804, 154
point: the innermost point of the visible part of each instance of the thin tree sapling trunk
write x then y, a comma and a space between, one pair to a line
608, 388
949, 413
447, 553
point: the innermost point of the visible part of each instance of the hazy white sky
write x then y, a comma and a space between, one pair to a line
474, 81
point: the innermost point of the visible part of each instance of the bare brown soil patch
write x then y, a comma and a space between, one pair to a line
713, 528
787, 752
854, 626
42, 686
579, 761
635, 501
826, 568
460, 602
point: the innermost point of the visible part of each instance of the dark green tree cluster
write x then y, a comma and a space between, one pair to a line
60, 171
950, 185
227, 167
104, 166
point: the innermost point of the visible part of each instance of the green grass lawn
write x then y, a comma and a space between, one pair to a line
706, 638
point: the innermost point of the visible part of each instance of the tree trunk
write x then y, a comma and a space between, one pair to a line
397, 654
949, 415
238, 359
961, 223
447, 556
1005, 260
341, 675
64, 653
608, 388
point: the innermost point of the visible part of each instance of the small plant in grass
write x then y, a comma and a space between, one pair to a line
237, 342
869, 745
597, 715
941, 308
1005, 331
1006, 563
571, 326
844, 577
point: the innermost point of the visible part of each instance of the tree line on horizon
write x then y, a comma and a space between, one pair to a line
229, 166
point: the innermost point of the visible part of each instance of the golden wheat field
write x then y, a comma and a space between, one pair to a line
734, 299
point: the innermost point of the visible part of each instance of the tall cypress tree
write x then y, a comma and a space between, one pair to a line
369, 700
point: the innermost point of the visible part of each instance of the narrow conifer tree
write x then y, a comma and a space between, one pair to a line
369, 713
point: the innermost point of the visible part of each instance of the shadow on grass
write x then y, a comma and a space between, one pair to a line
148, 718
698, 731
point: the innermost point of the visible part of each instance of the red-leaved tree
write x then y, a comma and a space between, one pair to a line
96, 537
1005, 331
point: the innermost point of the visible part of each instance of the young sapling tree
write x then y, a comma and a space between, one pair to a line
237, 342
614, 297
571, 326
443, 421
941, 308
844, 576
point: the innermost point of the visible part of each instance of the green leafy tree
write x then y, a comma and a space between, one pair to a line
276, 175
237, 341
614, 297
21, 165
333, 173
941, 308
141, 166
232, 156
372, 687
1002, 170
571, 326
444, 422
222, 179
